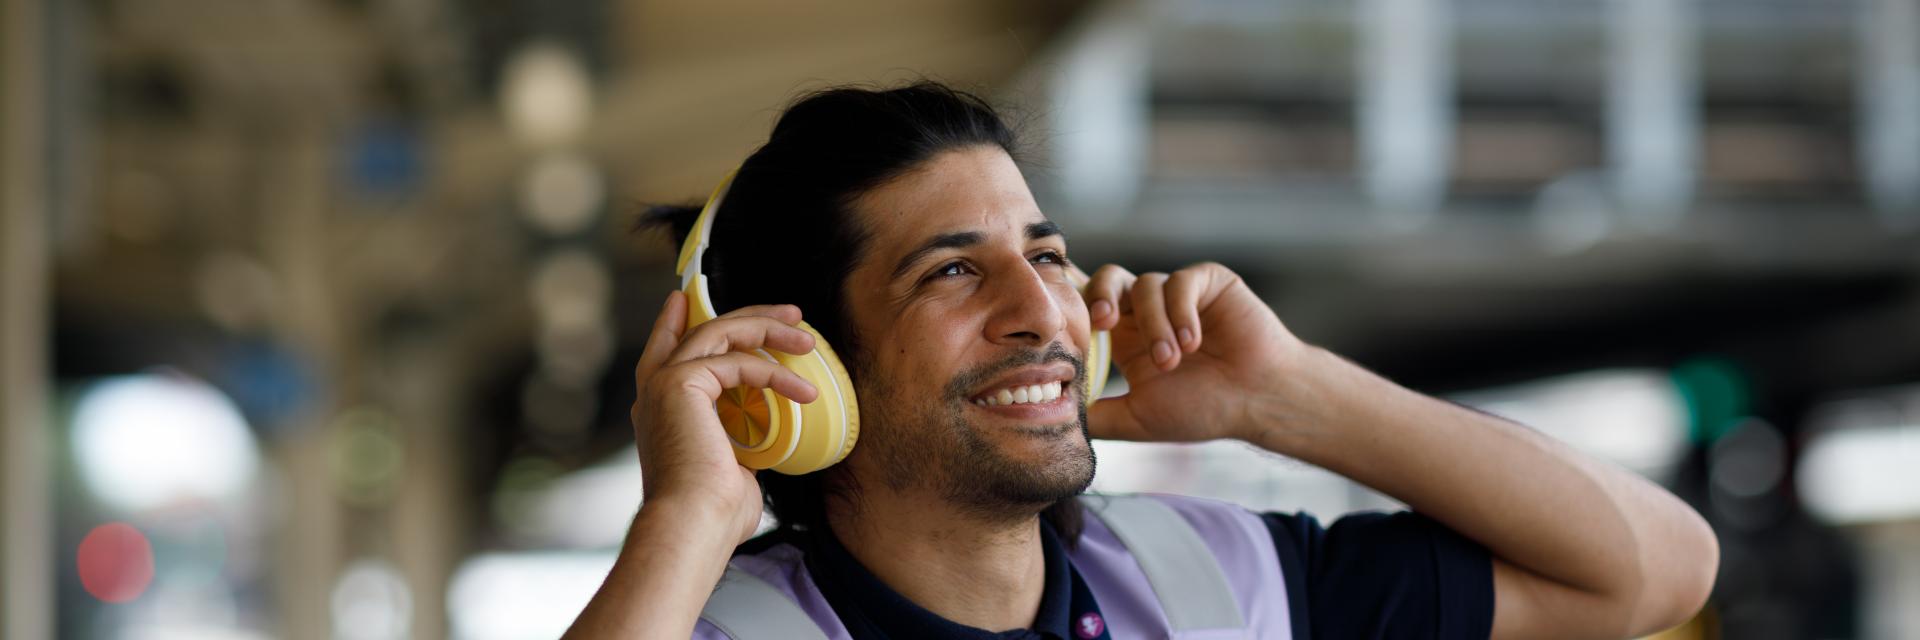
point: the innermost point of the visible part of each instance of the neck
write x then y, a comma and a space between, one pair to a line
987, 573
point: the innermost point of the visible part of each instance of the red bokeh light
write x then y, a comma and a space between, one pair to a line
116, 562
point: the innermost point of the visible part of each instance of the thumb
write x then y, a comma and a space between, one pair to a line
1113, 419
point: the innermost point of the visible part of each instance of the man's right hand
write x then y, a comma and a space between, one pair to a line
700, 502
687, 464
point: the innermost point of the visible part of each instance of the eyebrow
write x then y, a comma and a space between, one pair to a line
942, 241
1042, 229
960, 239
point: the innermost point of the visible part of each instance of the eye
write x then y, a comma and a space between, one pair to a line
1050, 257
955, 268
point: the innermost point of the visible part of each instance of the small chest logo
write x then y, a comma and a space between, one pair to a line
1089, 626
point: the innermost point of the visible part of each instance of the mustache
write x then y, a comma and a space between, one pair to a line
963, 384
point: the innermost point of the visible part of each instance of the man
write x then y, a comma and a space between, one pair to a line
898, 221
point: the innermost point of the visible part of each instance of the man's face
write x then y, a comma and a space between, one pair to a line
963, 299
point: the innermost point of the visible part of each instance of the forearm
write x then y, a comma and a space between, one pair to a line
1532, 501
666, 570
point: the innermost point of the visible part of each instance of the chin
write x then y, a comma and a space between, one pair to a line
1031, 468
998, 463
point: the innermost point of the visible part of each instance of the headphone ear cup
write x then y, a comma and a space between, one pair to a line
1099, 356
827, 428
1099, 363
762, 425
771, 431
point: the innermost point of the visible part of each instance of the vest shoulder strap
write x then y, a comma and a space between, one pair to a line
1181, 569
745, 607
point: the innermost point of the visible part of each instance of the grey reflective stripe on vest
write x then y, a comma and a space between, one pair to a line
1179, 566
747, 608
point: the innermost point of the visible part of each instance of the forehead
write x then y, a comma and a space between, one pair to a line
973, 189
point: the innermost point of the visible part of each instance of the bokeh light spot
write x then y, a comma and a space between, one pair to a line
154, 440
115, 562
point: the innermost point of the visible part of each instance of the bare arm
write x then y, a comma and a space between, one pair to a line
662, 578
1582, 548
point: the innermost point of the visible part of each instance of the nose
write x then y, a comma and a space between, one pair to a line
1025, 313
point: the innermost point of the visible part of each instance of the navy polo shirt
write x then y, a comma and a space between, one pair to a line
1370, 575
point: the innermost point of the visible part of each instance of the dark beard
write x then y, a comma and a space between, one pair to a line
932, 446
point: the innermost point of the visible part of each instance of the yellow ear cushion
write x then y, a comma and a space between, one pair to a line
830, 425
1099, 362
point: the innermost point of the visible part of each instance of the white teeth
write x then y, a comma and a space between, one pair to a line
1022, 395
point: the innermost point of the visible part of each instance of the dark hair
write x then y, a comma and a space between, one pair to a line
829, 148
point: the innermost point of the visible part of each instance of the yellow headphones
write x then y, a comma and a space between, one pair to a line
770, 431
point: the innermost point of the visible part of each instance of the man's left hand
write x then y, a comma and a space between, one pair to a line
1197, 349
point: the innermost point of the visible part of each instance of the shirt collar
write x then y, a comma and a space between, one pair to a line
871, 609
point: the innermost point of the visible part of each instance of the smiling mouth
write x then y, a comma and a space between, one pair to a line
1028, 383
1022, 394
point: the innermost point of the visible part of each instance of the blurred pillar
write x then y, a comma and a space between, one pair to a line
308, 553
1405, 103
1653, 116
1888, 90
1101, 116
426, 517
26, 507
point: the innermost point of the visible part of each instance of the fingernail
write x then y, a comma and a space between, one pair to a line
1102, 308
1162, 351
1186, 336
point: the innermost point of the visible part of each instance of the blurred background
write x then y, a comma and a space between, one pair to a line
317, 317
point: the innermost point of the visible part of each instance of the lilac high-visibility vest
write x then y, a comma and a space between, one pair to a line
1160, 567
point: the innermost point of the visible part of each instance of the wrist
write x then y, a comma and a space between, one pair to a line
1301, 403
712, 496
699, 537
696, 516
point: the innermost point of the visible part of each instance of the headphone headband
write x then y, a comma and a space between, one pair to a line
695, 248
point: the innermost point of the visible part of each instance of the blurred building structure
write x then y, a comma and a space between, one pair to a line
26, 566
394, 234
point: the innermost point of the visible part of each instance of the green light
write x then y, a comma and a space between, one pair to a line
1717, 395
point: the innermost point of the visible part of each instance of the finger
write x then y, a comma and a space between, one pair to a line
741, 333
786, 313
668, 326
1183, 304
1148, 296
711, 375
1219, 280
1104, 294
1112, 419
